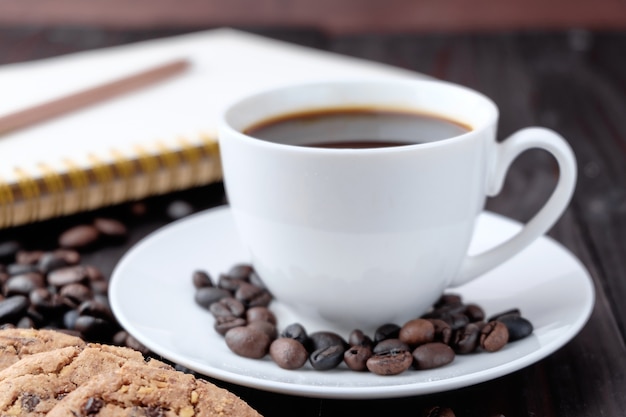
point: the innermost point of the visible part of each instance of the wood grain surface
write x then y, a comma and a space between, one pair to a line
571, 81
332, 16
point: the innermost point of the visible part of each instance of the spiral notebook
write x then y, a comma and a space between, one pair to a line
151, 141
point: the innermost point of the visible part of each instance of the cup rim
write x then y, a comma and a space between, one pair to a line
226, 129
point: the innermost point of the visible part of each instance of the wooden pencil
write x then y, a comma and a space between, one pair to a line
74, 101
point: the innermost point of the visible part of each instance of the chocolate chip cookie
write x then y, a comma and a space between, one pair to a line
136, 390
33, 385
18, 343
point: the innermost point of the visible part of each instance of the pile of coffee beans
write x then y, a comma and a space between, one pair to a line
239, 303
53, 288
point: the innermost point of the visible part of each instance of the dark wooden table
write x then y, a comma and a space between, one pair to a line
573, 82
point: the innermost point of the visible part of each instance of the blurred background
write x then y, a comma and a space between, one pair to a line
332, 16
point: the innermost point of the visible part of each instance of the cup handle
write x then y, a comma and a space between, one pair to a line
506, 152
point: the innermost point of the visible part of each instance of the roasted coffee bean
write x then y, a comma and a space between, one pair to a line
386, 331
67, 275
390, 346
102, 299
23, 284
201, 279
12, 308
50, 261
25, 323
296, 331
69, 319
449, 313
240, 272
38, 318
390, 363
466, 339
356, 357
288, 353
252, 296
511, 312
94, 274
266, 327
223, 324
321, 340
75, 294
4, 277
451, 308
46, 302
432, 314
70, 256
138, 209
255, 279
94, 328
432, 355
443, 331
262, 300
206, 296
448, 299
96, 308
417, 332
18, 269
247, 342
99, 287
493, 336
28, 257
474, 312
260, 314
358, 338
8, 249
79, 237
119, 338
326, 358
517, 326
228, 283
178, 209
438, 411
456, 321
110, 228
227, 307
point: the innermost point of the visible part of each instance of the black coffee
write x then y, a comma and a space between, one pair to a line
356, 128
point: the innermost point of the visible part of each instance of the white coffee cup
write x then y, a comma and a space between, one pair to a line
356, 238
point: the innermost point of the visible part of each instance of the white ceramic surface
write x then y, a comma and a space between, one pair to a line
152, 296
323, 225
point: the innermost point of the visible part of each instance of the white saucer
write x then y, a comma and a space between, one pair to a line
152, 296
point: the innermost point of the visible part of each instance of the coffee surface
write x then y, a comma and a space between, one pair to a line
356, 128
355, 144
